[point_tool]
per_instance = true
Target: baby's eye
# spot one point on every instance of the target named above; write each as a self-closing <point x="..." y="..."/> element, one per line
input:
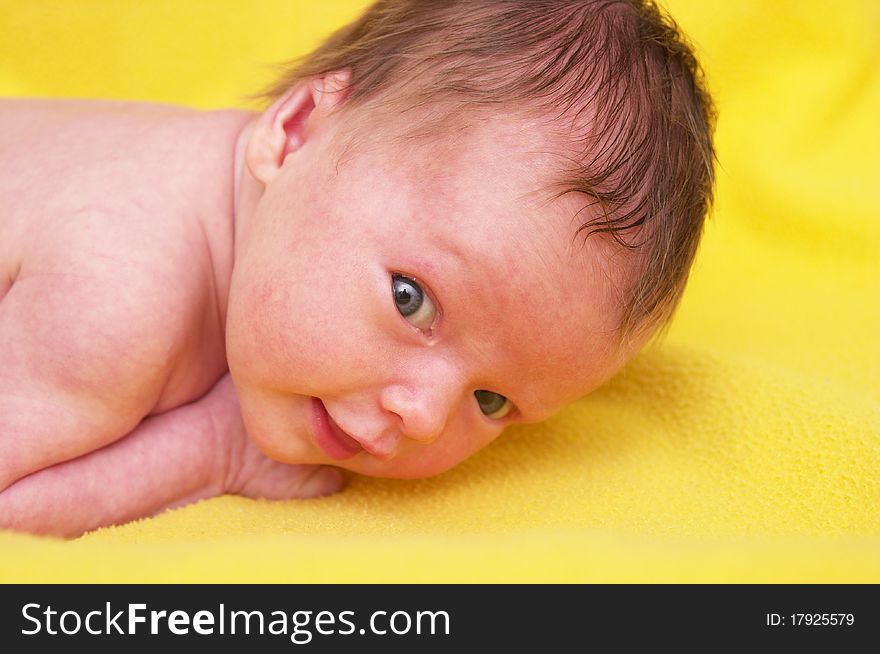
<point x="492" y="404"/>
<point x="412" y="302"/>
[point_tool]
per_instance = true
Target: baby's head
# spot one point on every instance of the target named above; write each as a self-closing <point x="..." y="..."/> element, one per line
<point x="460" y="215"/>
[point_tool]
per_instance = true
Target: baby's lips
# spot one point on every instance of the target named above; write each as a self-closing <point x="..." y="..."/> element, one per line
<point x="346" y="440"/>
<point x="383" y="447"/>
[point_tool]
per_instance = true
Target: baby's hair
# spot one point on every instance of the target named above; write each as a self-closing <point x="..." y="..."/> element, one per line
<point x="617" y="73"/>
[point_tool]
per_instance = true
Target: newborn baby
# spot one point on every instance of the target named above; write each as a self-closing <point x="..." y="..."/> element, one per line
<point x="452" y="217"/>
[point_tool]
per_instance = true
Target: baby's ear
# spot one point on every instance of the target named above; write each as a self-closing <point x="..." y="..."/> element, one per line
<point x="293" y="119"/>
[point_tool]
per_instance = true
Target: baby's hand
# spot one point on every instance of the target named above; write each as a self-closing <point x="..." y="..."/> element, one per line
<point x="247" y="471"/>
<point x="190" y="453"/>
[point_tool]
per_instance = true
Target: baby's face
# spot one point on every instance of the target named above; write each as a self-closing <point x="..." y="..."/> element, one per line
<point x="423" y="294"/>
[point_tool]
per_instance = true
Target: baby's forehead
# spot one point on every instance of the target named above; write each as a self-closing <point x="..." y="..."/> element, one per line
<point x="485" y="166"/>
<point x="439" y="140"/>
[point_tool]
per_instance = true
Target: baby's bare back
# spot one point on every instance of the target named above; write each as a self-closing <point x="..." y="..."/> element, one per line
<point x="105" y="261"/>
<point x="108" y="305"/>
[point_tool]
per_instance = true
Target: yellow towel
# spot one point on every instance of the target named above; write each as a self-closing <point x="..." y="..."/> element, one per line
<point x="746" y="447"/>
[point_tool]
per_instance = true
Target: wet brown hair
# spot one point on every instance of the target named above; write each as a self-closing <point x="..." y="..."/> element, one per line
<point x="618" y="73"/>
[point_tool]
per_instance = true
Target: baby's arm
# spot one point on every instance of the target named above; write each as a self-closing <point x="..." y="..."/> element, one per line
<point x="193" y="452"/>
<point x="86" y="347"/>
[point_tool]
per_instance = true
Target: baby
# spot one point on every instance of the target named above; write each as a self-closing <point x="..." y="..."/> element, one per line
<point x="378" y="273"/>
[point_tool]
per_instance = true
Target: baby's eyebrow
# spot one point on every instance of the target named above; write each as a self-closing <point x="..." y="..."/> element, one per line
<point x="528" y="420"/>
<point x="452" y="248"/>
<point x="535" y="415"/>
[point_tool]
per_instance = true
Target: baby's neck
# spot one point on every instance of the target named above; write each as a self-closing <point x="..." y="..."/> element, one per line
<point x="224" y="214"/>
<point x="247" y="189"/>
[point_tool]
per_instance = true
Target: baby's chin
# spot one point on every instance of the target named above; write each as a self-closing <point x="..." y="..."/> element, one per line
<point x="406" y="466"/>
<point x="390" y="470"/>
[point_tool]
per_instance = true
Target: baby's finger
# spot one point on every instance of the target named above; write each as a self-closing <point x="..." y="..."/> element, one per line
<point x="286" y="481"/>
<point x="324" y="481"/>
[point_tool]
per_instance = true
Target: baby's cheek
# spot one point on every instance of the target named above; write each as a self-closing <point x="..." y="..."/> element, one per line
<point x="256" y="337"/>
<point x="286" y="338"/>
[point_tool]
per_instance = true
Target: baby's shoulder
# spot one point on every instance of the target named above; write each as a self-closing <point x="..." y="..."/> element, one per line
<point x="109" y="189"/>
<point x="135" y="160"/>
<point x="102" y="218"/>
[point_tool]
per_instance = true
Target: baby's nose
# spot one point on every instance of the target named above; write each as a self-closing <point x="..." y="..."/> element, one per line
<point x="423" y="414"/>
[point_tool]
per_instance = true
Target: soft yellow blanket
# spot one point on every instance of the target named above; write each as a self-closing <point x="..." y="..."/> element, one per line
<point x="746" y="447"/>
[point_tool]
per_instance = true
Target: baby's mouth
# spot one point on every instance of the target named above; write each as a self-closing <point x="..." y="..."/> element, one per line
<point x="328" y="436"/>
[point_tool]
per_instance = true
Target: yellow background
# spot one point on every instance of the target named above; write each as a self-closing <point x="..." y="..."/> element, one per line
<point x="746" y="447"/>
